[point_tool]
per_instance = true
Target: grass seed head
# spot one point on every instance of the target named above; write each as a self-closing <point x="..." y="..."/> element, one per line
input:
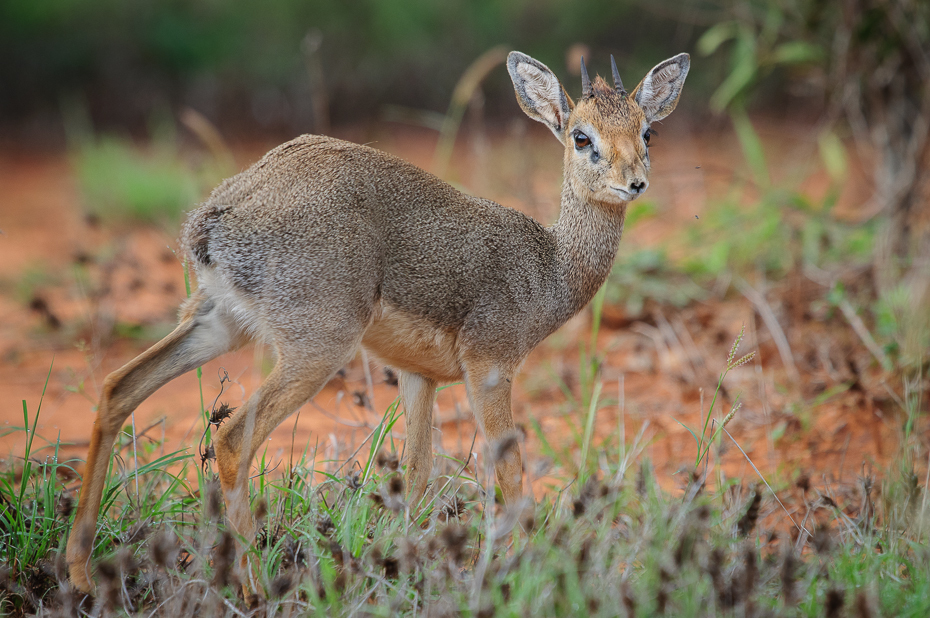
<point x="804" y="483"/>
<point x="110" y="583"/>
<point x="453" y="507"/>
<point x="224" y="556"/>
<point x="391" y="566"/>
<point x="454" y="538"/>
<point x="750" y="570"/>
<point x="641" y="476"/>
<point x="108" y="571"/>
<point x="578" y="507"/>
<point x="281" y="585"/>
<point x="715" y="562"/>
<point x="214" y="506"/>
<point x="629" y="601"/>
<point x="684" y="548"/>
<point x="65" y="506"/>
<point x="137" y="533"/>
<point x="387" y="461"/>
<point x="60" y="567"/>
<point x="584" y="553"/>
<point x="736" y="342"/>
<point x="208" y="454"/>
<point x="325" y="526"/>
<point x="163" y="550"/>
<point x="729" y="417"/>
<point x="863" y="605"/>
<point x="822" y="540"/>
<point x="261" y="509"/>
<point x="748" y="521"/>
<point x="409" y="554"/>
<point x="393" y="493"/>
<point x="661" y="598"/>
<point x="294" y="555"/>
<point x="360" y="399"/>
<point x="354" y="480"/>
<point x="396" y="485"/>
<point x="834" y="602"/>
<point x="788" y="575"/>
<point x="221" y="414"/>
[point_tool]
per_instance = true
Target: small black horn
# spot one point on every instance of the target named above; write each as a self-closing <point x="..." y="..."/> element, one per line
<point x="585" y="81"/>
<point x="618" y="83"/>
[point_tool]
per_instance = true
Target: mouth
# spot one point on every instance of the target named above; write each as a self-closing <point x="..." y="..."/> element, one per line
<point x="623" y="194"/>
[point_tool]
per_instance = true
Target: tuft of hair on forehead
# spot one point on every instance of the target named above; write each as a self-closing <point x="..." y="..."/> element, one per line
<point x="608" y="101"/>
<point x="600" y="88"/>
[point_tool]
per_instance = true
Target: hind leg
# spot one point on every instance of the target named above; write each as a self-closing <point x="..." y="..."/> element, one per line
<point x="198" y="338"/>
<point x="296" y="379"/>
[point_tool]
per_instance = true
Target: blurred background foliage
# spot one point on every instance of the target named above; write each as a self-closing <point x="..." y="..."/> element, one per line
<point x="251" y="66"/>
<point x="857" y="72"/>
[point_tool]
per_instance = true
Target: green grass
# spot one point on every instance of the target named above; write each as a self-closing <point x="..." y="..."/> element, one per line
<point x="121" y="183"/>
<point x="337" y="538"/>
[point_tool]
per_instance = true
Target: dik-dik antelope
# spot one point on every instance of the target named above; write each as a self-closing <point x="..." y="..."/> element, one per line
<point x="324" y="246"/>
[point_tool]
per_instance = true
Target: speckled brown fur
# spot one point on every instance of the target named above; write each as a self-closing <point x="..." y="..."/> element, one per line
<point x="323" y="246"/>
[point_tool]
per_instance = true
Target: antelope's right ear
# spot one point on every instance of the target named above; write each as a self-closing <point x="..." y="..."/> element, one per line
<point x="539" y="92"/>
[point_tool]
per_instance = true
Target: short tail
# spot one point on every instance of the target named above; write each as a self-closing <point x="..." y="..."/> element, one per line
<point x="198" y="230"/>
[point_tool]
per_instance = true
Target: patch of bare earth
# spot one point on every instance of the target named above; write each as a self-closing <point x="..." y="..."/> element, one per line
<point x="83" y="299"/>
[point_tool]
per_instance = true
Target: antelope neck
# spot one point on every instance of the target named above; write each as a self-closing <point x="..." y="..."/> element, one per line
<point x="587" y="235"/>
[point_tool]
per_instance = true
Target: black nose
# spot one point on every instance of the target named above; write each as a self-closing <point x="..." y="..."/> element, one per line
<point x="637" y="187"/>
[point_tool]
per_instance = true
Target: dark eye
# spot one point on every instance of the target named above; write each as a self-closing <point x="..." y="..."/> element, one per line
<point x="647" y="135"/>
<point x="581" y="140"/>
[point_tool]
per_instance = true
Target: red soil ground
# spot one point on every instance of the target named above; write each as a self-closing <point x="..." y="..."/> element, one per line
<point x="66" y="282"/>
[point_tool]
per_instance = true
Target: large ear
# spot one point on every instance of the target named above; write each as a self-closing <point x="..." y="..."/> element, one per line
<point x="539" y="92"/>
<point x="658" y="93"/>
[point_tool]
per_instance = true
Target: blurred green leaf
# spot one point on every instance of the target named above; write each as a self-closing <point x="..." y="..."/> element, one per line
<point x="772" y="24"/>
<point x="811" y="235"/>
<point x="796" y="52"/>
<point x="745" y="67"/>
<point x="639" y="212"/>
<point x="833" y="155"/>
<point x="836" y="294"/>
<point x="752" y="146"/>
<point x="716" y="36"/>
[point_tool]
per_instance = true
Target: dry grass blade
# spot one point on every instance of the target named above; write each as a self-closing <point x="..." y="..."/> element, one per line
<point x="775" y="495"/>
<point x="771" y="322"/>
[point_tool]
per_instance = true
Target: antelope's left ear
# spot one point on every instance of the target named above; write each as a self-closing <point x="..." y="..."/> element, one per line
<point x="659" y="91"/>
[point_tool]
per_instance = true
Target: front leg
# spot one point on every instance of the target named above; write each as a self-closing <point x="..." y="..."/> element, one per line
<point x="489" y="391"/>
<point x="418" y="394"/>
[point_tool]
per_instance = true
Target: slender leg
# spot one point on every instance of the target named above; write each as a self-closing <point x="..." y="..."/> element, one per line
<point x="288" y="387"/>
<point x="418" y="394"/>
<point x="489" y="390"/>
<point x="196" y="340"/>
